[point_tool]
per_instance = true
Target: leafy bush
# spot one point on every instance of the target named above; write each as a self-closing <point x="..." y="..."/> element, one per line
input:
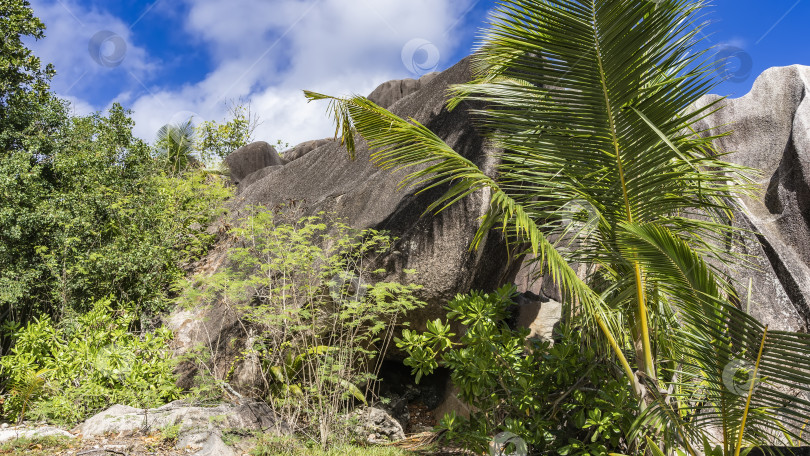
<point x="560" y="398"/>
<point x="96" y="215"/>
<point x="321" y="323"/>
<point x="87" y="363"/>
<point x="214" y="141"/>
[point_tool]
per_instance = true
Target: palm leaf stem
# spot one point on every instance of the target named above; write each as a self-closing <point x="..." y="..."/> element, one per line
<point x="647" y="364"/>
<point x="750" y="393"/>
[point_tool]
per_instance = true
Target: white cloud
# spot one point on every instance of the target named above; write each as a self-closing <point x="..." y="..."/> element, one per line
<point x="269" y="51"/>
<point x="735" y="42"/>
<point x="79" y="107"/>
<point x="70" y="30"/>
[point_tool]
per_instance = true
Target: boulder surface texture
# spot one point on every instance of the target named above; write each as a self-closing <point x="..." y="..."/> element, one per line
<point x="322" y="177"/>
<point x="770" y="131"/>
<point x="196" y="427"/>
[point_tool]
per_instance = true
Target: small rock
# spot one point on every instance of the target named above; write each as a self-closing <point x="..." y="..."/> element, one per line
<point x="46" y="431"/>
<point x="380" y="425"/>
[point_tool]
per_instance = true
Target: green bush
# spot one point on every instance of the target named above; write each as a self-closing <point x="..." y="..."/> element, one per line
<point x="85" y="364"/>
<point x="97" y="215"/>
<point x="322" y="318"/>
<point x="214" y="141"/>
<point x="559" y="398"/>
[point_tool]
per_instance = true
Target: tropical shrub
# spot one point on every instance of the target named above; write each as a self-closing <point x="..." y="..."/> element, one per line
<point x="86" y="210"/>
<point x="216" y="140"/>
<point x="592" y="104"/>
<point x="99" y="217"/>
<point x="68" y="371"/>
<point x="320" y="322"/>
<point x="561" y="398"/>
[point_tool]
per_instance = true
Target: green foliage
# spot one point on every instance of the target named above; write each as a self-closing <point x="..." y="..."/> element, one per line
<point x="36" y="446"/>
<point x="560" y="399"/>
<point x="86" y="212"/>
<point x="85" y="209"/>
<point x="174" y="145"/>
<point x="87" y="363"/>
<point x="268" y="445"/>
<point x="25" y="390"/>
<point x="170" y="432"/>
<point x="215" y="140"/>
<point x="603" y="164"/>
<point x="307" y="291"/>
<point x="97" y="218"/>
<point x="25" y="100"/>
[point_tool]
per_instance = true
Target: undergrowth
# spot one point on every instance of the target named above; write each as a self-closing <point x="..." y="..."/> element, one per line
<point x="64" y="372"/>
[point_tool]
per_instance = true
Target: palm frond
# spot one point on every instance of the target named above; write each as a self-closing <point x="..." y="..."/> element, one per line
<point x="176" y="143"/>
<point x="718" y="343"/>
<point x="399" y="144"/>
<point x="591" y="104"/>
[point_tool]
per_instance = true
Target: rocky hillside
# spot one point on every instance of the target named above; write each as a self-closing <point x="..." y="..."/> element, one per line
<point x="771" y="132"/>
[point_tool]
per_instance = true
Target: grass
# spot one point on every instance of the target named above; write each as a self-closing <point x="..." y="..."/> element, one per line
<point x="37" y="446"/>
<point x="262" y="445"/>
<point x="170" y="432"/>
<point x="290" y="446"/>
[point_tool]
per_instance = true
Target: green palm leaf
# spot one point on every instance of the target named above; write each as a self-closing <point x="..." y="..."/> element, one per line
<point x="590" y="104"/>
<point x="716" y="343"/>
<point x="176" y="143"/>
<point x="400" y="144"/>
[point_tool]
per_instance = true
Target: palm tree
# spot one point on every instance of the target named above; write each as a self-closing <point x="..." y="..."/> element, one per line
<point x="175" y="143"/>
<point x="589" y="102"/>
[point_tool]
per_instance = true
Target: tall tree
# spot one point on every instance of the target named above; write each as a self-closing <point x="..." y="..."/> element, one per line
<point x="85" y="210"/>
<point x="25" y="99"/>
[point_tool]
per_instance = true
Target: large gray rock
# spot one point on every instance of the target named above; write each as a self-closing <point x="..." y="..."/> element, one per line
<point x="13" y="433"/>
<point x="251" y="158"/>
<point x="305" y="148"/>
<point x="377" y="425"/>
<point x="436" y="246"/>
<point x="197" y="427"/>
<point x="771" y="132"/>
<point x="538" y="314"/>
<point x="388" y="93"/>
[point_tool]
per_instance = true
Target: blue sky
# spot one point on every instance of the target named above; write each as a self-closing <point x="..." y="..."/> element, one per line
<point x="170" y="59"/>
